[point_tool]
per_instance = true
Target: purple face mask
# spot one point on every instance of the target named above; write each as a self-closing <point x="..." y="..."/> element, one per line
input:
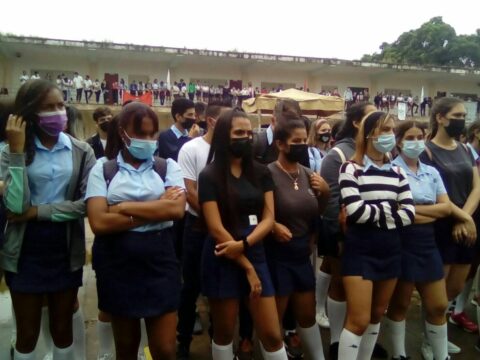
<point x="52" y="122"/>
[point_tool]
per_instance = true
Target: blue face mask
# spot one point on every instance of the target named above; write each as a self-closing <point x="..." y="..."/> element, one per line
<point x="384" y="143"/>
<point x="141" y="149"/>
<point x="413" y="148"/>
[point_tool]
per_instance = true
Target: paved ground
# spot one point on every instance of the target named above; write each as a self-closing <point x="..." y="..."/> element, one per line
<point x="200" y="346"/>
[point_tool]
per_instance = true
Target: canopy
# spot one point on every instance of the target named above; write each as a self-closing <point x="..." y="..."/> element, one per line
<point x="310" y="103"/>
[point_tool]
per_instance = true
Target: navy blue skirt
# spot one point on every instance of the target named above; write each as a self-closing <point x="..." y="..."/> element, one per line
<point x="372" y="253"/>
<point x="44" y="263"/>
<point x="222" y="278"/>
<point x="138" y="274"/>
<point x="290" y="265"/>
<point x="421" y="260"/>
<point x="451" y="252"/>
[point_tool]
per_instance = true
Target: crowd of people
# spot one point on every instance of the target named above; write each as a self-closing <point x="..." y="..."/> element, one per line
<point x="210" y="207"/>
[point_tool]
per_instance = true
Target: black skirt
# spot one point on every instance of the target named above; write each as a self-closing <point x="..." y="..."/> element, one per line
<point x="451" y="252"/>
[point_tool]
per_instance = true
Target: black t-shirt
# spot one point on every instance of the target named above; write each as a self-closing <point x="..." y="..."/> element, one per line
<point x="247" y="198"/>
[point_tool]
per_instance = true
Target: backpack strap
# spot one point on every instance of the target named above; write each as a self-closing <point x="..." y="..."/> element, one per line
<point x="160" y="166"/>
<point x="110" y="169"/>
<point x="340" y="153"/>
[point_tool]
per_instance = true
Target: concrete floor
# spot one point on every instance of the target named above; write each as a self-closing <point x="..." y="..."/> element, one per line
<point x="200" y="349"/>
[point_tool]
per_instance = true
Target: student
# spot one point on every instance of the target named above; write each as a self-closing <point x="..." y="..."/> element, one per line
<point x="421" y="262"/>
<point x="378" y="202"/>
<point x="43" y="208"/>
<point x="236" y="198"/>
<point x="319" y="138"/>
<point x="102" y="117"/>
<point x="131" y="202"/>
<point x="299" y="197"/>
<point x="456" y="234"/>
<point x="193" y="159"/>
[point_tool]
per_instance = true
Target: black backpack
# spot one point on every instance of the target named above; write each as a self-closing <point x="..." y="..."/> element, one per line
<point x="110" y="169"/>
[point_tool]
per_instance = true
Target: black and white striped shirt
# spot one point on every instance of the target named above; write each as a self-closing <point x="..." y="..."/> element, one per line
<point x="378" y="196"/>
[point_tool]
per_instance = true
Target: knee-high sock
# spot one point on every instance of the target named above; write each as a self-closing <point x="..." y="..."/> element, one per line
<point x="63" y="354"/>
<point x="349" y="345"/>
<point x="462" y="298"/>
<point x="337" y="311"/>
<point x="437" y="337"/>
<point x="13" y="337"/>
<point x="323" y="283"/>
<point x="143" y="337"/>
<point x="312" y="341"/>
<point x="105" y="338"/>
<point x="396" y="333"/>
<point x="78" y="329"/>
<point x="45" y="331"/>
<point x="21" y="356"/>
<point x="280" y="354"/>
<point x="369" y="340"/>
<point x="222" y="352"/>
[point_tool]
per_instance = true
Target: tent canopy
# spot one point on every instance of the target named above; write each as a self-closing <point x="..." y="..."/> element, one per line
<point x="310" y="103"/>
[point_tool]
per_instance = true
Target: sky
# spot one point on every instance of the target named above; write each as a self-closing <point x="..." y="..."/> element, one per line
<point x="342" y="29"/>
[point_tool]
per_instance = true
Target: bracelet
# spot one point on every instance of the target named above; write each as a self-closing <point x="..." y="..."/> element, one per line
<point x="246" y="245"/>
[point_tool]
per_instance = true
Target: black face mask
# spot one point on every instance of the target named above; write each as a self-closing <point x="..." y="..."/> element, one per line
<point x="455" y="127"/>
<point x="241" y="147"/>
<point x="297" y="152"/>
<point x="104" y="126"/>
<point x="324" y="138"/>
<point x="188" y="123"/>
<point x="203" y="125"/>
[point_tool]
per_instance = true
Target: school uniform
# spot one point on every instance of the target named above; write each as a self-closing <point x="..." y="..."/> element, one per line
<point x="46" y="255"/>
<point x="421" y="260"/>
<point x="137" y="271"/>
<point x="98" y="145"/>
<point x="223" y="278"/>
<point x="170" y="142"/>
<point x="378" y="202"/>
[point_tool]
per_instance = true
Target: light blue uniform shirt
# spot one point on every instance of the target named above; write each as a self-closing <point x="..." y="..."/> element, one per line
<point x="315" y="159"/>
<point x="50" y="172"/>
<point x="177" y="132"/>
<point x="130" y="184"/>
<point x="368" y="163"/>
<point x="269" y="135"/>
<point x="425" y="185"/>
<point x="475" y="154"/>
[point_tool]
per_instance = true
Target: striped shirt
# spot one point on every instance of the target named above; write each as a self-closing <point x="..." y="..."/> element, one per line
<point x="378" y="196"/>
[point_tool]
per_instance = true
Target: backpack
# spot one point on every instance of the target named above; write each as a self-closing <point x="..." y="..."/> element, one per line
<point x="110" y="169"/>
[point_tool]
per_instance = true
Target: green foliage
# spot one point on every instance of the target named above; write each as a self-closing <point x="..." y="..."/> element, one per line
<point x="434" y="43"/>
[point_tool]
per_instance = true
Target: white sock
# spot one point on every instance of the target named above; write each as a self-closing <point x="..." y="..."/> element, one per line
<point x="349" y="345"/>
<point x="369" y="339"/>
<point x="78" y="329"/>
<point x="463" y="297"/>
<point x="63" y="354"/>
<point x="337" y="311"/>
<point x="222" y="352"/>
<point x="13" y="336"/>
<point x="45" y="331"/>
<point x="143" y="337"/>
<point x="21" y="356"/>
<point x="437" y="337"/>
<point x="396" y="333"/>
<point x="105" y="338"/>
<point x="280" y="354"/>
<point x="312" y="341"/>
<point x="323" y="283"/>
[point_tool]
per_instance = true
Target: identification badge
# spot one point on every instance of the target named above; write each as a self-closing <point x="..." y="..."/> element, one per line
<point x="252" y="219"/>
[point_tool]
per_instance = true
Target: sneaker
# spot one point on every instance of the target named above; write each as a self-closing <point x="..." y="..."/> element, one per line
<point x="379" y="352"/>
<point x="453" y="349"/>
<point x="464" y="322"/>
<point x="106" y="356"/>
<point x="141" y="356"/>
<point x="333" y="351"/>
<point x="451" y="308"/>
<point x="293" y="346"/>
<point x="183" y="351"/>
<point x="426" y="350"/>
<point x="322" y="320"/>
<point x="477" y="345"/>
<point x="197" y="328"/>
<point x="244" y="350"/>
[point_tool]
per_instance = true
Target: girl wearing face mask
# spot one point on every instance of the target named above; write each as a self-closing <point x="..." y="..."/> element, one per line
<point x="421" y="262"/>
<point x="132" y="201"/>
<point x="45" y="173"/>
<point x="378" y="202"/>
<point x="236" y="197"/>
<point x="456" y="234"/>
<point x="318" y="141"/>
<point x="300" y="195"/>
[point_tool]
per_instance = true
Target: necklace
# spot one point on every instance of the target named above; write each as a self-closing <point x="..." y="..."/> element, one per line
<point x="294" y="179"/>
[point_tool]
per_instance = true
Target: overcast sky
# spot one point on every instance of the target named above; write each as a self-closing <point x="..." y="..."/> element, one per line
<point x="339" y="29"/>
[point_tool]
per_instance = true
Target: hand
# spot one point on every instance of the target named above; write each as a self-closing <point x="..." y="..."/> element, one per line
<point x="465" y="231"/>
<point x="15" y="132"/>
<point x="317" y="183"/>
<point x="255" y="283"/>
<point x="281" y="233"/>
<point x="194" y="131"/>
<point x="30" y="214"/>
<point x="230" y="249"/>
<point x="172" y="193"/>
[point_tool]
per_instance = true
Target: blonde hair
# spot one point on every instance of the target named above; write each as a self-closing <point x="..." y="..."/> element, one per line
<point x="312" y="135"/>
<point x="370" y="122"/>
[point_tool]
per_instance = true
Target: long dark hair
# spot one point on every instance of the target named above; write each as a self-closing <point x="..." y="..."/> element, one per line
<point x="219" y="160"/>
<point x="441" y="107"/>
<point x="27" y="104"/>
<point x="6" y="108"/>
<point x="355" y="114"/>
<point x="135" y="112"/>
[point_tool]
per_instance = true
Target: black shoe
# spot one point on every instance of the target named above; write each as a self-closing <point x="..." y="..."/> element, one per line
<point x="333" y="351"/>
<point x="183" y="352"/>
<point x="293" y="346"/>
<point x="379" y="352"/>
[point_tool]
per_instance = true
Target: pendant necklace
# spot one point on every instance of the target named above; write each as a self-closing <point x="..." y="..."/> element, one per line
<point x="294" y="179"/>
